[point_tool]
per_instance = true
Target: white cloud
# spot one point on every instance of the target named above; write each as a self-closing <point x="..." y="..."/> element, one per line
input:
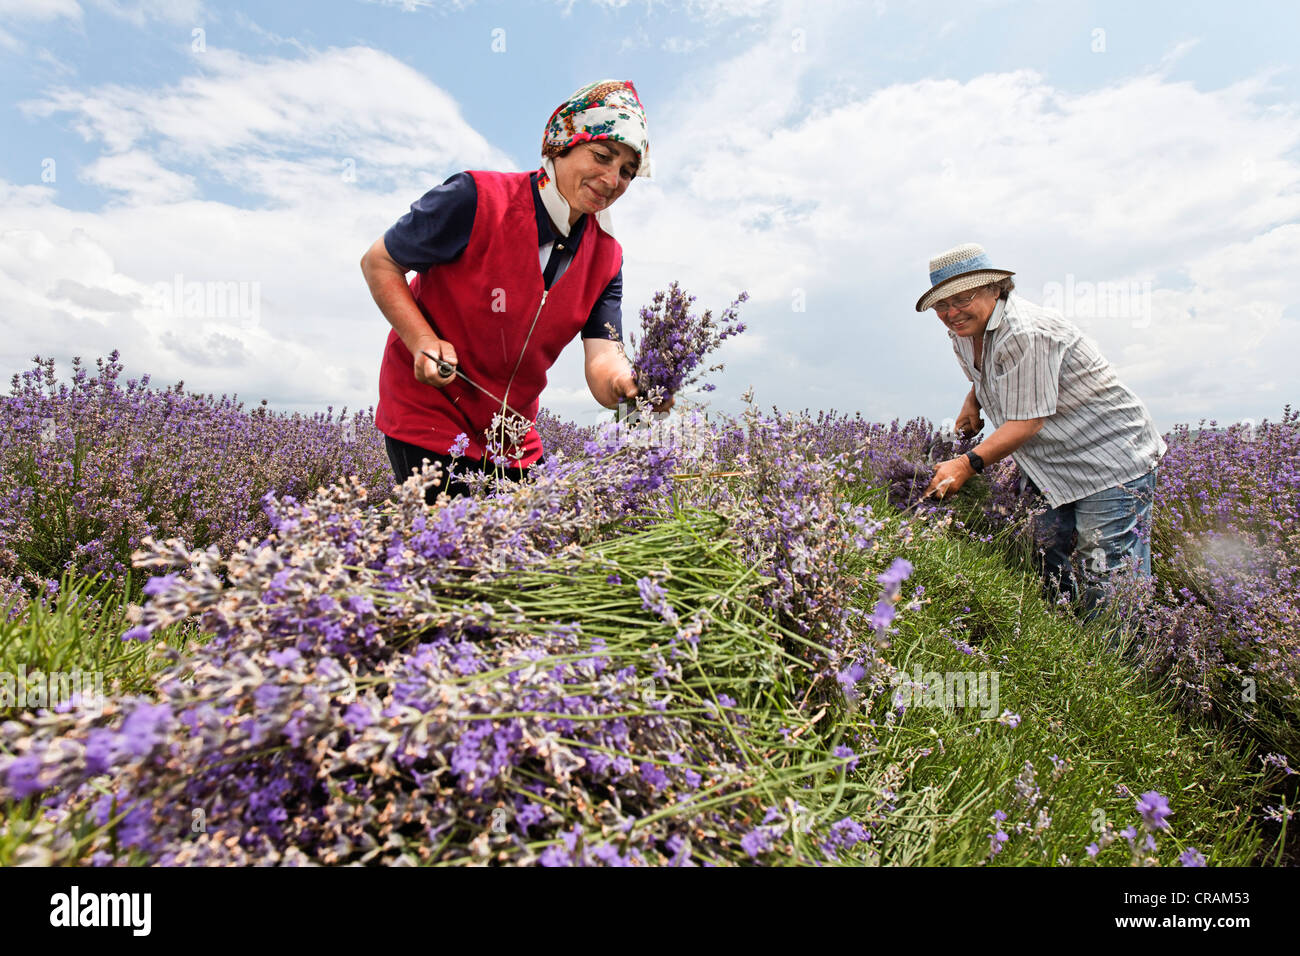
<point x="726" y="9"/>
<point x="269" y="36"/>
<point x="284" y="128"/>
<point x="278" y="129"/>
<point x="412" y="6"/>
<point x="769" y="177"/>
<point x="843" y="202"/>
<point x="40" y="9"/>
<point x="709" y="11"/>
<point x="73" y="294"/>
<point x="138" y="12"/>
<point x="140" y="177"/>
<point x="678" y="44"/>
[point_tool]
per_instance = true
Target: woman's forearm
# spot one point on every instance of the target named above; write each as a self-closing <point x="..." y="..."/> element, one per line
<point x="603" y="371"/>
<point x="388" y="287"/>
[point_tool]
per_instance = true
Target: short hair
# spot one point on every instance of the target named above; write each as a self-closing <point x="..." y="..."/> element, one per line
<point x="1004" y="286"/>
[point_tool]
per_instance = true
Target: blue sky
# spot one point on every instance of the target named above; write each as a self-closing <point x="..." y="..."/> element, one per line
<point x="1136" y="164"/>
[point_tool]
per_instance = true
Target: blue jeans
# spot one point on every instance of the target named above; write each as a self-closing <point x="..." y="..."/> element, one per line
<point x="1109" y="529"/>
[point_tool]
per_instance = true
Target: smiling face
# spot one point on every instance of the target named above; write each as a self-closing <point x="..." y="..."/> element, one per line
<point x="967" y="313"/>
<point x="591" y="176"/>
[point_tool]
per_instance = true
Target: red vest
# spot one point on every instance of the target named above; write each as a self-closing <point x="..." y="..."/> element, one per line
<point x="483" y="304"/>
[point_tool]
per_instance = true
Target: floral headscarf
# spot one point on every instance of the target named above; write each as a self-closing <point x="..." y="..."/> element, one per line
<point x="609" y="109"/>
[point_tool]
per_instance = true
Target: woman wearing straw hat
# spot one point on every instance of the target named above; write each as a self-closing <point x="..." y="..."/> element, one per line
<point x="1085" y="441"/>
<point x="510" y="268"/>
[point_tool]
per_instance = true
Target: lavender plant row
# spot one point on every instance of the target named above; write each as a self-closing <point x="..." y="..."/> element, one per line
<point x="88" y="468"/>
<point x="651" y="652"/>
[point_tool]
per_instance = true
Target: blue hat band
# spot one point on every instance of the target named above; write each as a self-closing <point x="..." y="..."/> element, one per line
<point x="973" y="264"/>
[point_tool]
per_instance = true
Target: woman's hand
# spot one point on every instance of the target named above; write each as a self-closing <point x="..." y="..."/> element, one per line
<point x="609" y="374"/>
<point x="624" y="385"/>
<point x="426" y="369"/>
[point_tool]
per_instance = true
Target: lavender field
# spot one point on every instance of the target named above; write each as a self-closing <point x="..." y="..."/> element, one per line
<point x="700" y="641"/>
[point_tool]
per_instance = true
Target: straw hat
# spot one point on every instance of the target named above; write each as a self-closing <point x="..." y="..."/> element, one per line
<point x="959" y="269"/>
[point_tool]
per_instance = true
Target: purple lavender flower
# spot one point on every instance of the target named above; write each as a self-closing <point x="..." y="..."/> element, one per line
<point x="897" y="572"/>
<point x="555" y="856"/>
<point x="654" y="776"/>
<point x="1191" y="857"/>
<point x="159" y="585"/>
<point x="23" y="776"/>
<point x="654" y="598"/>
<point x="883" y="616"/>
<point x="1153" y="808"/>
<point x="158" y="463"/>
<point x="675" y="341"/>
<point x="846" y="753"/>
<point x="529" y="815"/>
<point x="358" y="716"/>
<point x="285" y="657"/>
<point x="101" y="748"/>
<point x="996" y="839"/>
<point x="143" y="728"/>
<point x="844" y="834"/>
<point x="850" y="676"/>
<point x="757" y="841"/>
<point x="609" y="855"/>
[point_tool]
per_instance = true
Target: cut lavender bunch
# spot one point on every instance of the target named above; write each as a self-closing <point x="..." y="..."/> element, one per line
<point x="675" y="341"/>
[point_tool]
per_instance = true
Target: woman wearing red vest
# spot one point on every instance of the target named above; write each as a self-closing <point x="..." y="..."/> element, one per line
<point x="510" y="267"/>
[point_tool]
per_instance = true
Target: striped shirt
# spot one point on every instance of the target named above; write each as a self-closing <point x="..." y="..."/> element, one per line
<point x="1036" y="364"/>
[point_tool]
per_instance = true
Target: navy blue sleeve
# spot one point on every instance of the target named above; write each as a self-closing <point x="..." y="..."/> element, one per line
<point x="437" y="228"/>
<point x="608" y="308"/>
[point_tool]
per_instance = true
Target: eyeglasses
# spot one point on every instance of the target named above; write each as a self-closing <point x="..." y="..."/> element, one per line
<point x="605" y="157"/>
<point x="956" y="302"/>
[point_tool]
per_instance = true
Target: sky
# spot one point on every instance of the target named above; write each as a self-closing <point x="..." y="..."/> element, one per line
<point x="1135" y="164"/>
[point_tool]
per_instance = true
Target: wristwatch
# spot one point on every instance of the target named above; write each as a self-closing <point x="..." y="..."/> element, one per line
<point x="976" y="462"/>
